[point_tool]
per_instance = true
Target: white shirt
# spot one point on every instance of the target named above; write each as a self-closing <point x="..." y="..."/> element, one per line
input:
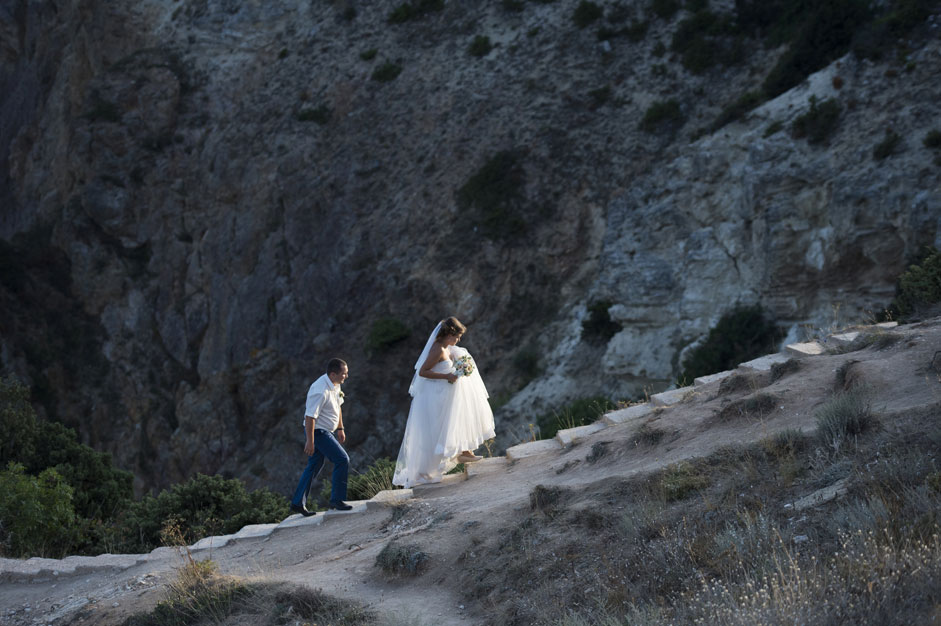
<point x="323" y="404"/>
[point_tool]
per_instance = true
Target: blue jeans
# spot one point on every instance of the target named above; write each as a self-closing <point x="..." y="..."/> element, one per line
<point x="325" y="445"/>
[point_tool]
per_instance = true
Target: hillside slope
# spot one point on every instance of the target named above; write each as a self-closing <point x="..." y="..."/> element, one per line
<point x="221" y="196"/>
<point x="531" y="541"/>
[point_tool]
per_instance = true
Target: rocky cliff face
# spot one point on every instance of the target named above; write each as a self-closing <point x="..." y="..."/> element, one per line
<point x="205" y="200"/>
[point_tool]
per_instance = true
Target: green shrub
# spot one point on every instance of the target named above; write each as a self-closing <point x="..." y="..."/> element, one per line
<point x="363" y="486"/>
<point x="819" y="122"/>
<point x="599" y="96"/>
<point x="480" y="47"/>
<point x="202" y="506"/>
<point x="526" y="363"/>
<point x="36" y="514"/>
<point x="740" y="335"/>
<point x="579" y="413"/>
<point x="414" y="10"/>
<point x="880" y="35"/>
<point x="387" y="72"/>
<point x="598" y="327"/>
<point x="773" y="128"/>
<point x="933" y="139"/>
<point x="845" y="415"/>
<point x="662" y="115"/>
<point x="495" y="196"/>
<point x="369" y="55"/>
<point x="401" y="560"/>
<point x="513" y="6"/>
<point x="705" y="39"/>
<point x="100" y="490"/>
<point x="737" y="110"/>
<point x="103" y="111"/>
<point x="664" y="9"/>
<point x="385" y="333"/>
<point x="886" y="147"/>
<point x="820" y="32"/>
<point x="919" y="287"/>
<point x="587" y="12"/>
<point x="320" y="114"/>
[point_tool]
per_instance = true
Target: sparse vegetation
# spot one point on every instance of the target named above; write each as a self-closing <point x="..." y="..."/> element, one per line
<point x="932" y="139"/>
<point x="663" y="115"/>
<point x="586" y="13"/>
<point x="648" y="436"/>
<point x="320" y="114"/>
<point x="737" y="110"/>
<point x="887" y="146"/>
<point x="843" y="417"/>
<point x="919" y="287"/>
<point x="408" y="11"/>
<point x="364" y="485"/>
<point x="755" y="406"/>
<point x="579" y="413"/>
<point x="742" y="334"/>
<point x="495" y="196"/>
<point x="706" y="39"/>
<point x="387" y="72"/>
<point x="399" y="560"/>
<point x="819" y="122"/>
<point x="385" y="333"/>
<point x="780" y="370"/>
<point x="369" y="55"/>
<point x="480" y="47"/>
<point x="598" y="327"/>
<point x="664" y="9"/>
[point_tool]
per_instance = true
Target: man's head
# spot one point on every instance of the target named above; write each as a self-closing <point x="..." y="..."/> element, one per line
<point x="337" y="370"/>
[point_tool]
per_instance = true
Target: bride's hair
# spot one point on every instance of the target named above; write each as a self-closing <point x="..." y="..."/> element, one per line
<point x="451" y="327"/>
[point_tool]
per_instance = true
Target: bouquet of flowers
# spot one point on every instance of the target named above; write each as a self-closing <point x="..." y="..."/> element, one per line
<point x="464" y="366"/>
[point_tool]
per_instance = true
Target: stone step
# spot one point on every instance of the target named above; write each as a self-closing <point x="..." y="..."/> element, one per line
<point x="629" y="414"/>
<point x="711" y="378"/>
<point x="387" y="498"/>
<point x="570" y="435"/>
<point x="218" y="541"/>
<point x="485" y="466"/>
<point x="297" y="520"/>
<point x="532" y="448"/>
<point x="765" y="363"/>
<point x="667" y="398"/>
<point x="359" y="506"/>
<point x="809" y="348"/>
<point x="253" y="531"/>
<point x="887" y="325"/>
<point x="843" y="339"/>
<point x="449" y="479"/>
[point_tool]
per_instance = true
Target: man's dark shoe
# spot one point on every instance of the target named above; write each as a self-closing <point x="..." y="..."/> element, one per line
<point x="341" y="506"/>
<point x="297" y="508"/>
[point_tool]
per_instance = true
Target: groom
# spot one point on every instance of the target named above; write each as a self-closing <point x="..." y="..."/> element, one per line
<point x="323" y="424"/>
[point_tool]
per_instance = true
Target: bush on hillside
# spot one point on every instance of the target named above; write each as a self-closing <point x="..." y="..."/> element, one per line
<point x="480" y="47"/>
<point x="100" y="489"/>
<point x="36" y="514"/>
<point x="598" y="327"/>
<point x="742" y="334"/>
<point x="579" y="413"/>
<point x="495" y="196"/>
<point x="364" y="485"/>
<point x="662" y="115"/>
<point x="202" y="506"/>
<point x="919" y="287"/>
<point x="414" y="10"/>
<point x="385" y="333"/>
<point x="819" y="122"/>
<point x="586" y="12"/>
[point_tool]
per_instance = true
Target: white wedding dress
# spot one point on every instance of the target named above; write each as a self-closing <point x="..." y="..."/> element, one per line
<point x="444" y="420"/>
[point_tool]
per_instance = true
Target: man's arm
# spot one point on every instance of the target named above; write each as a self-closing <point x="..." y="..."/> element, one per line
<point x="340" y="433"/>
<point x="309" y="429"/>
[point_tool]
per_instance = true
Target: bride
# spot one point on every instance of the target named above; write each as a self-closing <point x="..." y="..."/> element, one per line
<point x="449" y="416"/>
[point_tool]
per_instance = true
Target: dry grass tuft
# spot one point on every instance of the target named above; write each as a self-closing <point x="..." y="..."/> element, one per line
<point x="402" y="560"/>
<point x="754" y="406"/>
<point x="780" y="370"/>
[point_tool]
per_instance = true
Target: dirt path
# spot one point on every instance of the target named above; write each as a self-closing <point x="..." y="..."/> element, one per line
<point x="339" y="556"/>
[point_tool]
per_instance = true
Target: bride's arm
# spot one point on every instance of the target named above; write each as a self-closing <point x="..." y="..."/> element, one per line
<point x="434" y="357"/>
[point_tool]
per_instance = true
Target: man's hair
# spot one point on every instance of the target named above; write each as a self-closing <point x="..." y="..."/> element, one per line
<point x="335" y="366"/>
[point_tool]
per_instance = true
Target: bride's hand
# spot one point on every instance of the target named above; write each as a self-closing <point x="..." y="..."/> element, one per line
<point x="451" y="378"/>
